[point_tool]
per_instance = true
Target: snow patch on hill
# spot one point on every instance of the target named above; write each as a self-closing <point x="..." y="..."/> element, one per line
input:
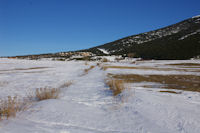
<point x="103" y="50"/>
<point x="198" y="16"/>
<point x="198" y="31"/>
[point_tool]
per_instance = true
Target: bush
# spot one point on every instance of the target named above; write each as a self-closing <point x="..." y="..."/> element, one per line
<point x="66" y="84"/>
<point x="105" y="60"/>
<point x="47" y="93"/>
<point x="9" y="107"/>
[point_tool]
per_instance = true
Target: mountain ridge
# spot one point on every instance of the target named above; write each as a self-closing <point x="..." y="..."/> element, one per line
<point x="177" y="41"/>
<point x="189" y="26"/>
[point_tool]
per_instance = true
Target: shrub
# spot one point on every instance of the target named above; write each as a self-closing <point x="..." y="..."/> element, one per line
<point x="66" y="84"/>
<point x="9" y="107"/>
<point x="105" y="60"/>
<point x="47" y="93"/>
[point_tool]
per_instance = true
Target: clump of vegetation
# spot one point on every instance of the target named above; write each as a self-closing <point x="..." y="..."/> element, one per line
<point x="148" y="68"/>
<point x="105" y="60"/>
<point x="47" y="93"/>
<point x="131" y="55"/>
<point x="180" y="82"/>
<point x="10" y="106"/>
<point x="117" y="86"/>
<point x="98" y="64"/>
<point x="186" y="64"/>
<point x="174" y="92"/>
<point x="88" y="69"/>
<point x="119" y="59"/>
<point x="66" y="84"/>
<point x="104" y="68"/>
<point x="86" y="58"/>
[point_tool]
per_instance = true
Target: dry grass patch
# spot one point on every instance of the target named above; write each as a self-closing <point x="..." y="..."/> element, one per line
<point x="88" y="69"/>
<point x="185" y="64"/>
<point x="117" y="86"/>
<point x="66" y="84"/>
<point x="146" y="68"/>
<point x="20" y="69"/>
<point x="181" y="82"/>
<point x="47" y="93"/>
<point x="10" y="106"/>
<point x="118" y="67"/>
<point x="105" y="60"/>
<point x="31" y="68"/>
<point x="171" y="92"/>
<point x="35" y="72"/>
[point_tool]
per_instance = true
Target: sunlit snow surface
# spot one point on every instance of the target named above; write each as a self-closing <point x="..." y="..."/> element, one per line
<point x="88" y="106"/>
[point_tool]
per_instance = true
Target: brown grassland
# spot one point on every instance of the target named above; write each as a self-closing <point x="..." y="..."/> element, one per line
<point x="150" y="68"/>
<point x="47" y="93"/>
<point x="185" y="64"/>
<point x="180" y="82"/>
<point x="174" y="92"/>
<point x="117" y="86"/>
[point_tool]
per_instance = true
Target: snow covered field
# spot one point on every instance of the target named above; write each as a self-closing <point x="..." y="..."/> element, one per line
<point x="88" y="106"/>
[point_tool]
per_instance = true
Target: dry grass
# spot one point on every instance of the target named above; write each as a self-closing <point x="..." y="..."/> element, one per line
<point x="185" y="64"/>
<point x="88" y="69"/>
<point x="35" y="72"/>
<point x="118" y="67"/>
<point x="117" y="86"/>
<point x="105" y="60"/>
<point x="171" y="92"/>
<point x="47" y="93"/>
<point x="10" y="106"/>
<point x="181" y="82"/>
<point x="31" y="68"/>
<point x="66" y="84"/>
<point x="143" y="68"/>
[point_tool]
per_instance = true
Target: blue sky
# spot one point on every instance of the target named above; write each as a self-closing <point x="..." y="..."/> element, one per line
<point x="44" y="26"/>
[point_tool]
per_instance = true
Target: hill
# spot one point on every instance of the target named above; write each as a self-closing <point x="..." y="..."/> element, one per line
<point x="177" y="41"/>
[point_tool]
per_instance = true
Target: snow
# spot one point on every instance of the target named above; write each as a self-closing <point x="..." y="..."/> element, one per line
<point x="196" y="16"/>
<point x="87" y="106"/>
<point x="103" y="50"/>
<point x="152" y="35"/>
<point x="198" y="31"/>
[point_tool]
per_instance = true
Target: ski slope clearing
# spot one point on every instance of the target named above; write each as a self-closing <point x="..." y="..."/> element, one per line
<point x="88" y="105"/>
